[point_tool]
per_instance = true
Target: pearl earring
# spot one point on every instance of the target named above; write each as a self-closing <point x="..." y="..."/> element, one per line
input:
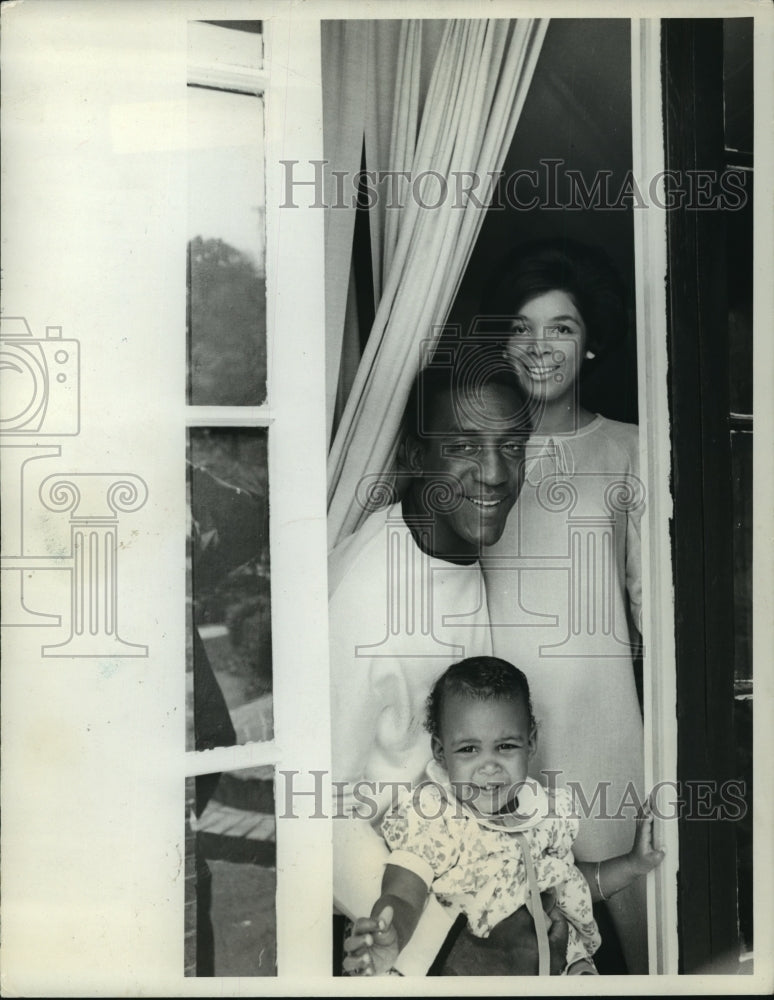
<point x="590" y="355"/>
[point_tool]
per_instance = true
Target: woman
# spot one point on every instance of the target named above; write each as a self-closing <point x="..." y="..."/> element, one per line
<point x="563" y="583"/>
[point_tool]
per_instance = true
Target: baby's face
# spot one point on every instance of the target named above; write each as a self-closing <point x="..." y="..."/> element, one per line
<point x="485" y="747"/>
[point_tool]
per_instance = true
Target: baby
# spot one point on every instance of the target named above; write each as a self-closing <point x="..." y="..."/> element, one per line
<point x="484" y="837"/>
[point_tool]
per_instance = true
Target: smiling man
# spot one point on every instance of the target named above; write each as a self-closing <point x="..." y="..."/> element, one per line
<point x="464" y="445"/>
<point x="407" y="599"/>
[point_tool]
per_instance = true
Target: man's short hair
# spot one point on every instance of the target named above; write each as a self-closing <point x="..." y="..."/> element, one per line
<point x="474" y="369"/>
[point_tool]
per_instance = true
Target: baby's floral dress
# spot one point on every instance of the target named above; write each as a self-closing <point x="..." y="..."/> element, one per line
<point x="475" y="865"/>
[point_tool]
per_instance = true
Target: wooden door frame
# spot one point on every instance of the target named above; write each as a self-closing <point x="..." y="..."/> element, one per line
<point x="702" y="554"/>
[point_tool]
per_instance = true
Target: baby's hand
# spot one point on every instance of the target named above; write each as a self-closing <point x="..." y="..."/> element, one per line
<point x="373" y="945"/>
<point x="643" y="855"/>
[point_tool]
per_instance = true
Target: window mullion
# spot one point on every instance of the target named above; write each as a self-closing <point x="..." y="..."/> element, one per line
<point x="297" y="446"/>
<point x="218" y="78"/>
<point x="659" y="666"/>
<point x="229" y="416"/>
<point x="231" y="758"/>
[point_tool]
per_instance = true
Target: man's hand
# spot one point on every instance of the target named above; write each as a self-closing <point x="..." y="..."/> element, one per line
<point x="511" y="948"/>
<point x="557" y="939"/>
<point x="372" y="947"/>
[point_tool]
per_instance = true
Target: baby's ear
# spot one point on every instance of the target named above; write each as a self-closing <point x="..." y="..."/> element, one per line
<point x="438" y="754"/>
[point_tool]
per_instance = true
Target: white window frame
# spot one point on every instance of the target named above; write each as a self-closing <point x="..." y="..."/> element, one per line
<point x="659" y="668"/>
<point x="290" y="84"/>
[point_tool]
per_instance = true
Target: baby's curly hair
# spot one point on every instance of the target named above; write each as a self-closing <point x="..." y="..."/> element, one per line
<point x="481" y="677"/>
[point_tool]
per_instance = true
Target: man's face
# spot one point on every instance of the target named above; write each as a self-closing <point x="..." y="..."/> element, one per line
<point x="473" y="444"/>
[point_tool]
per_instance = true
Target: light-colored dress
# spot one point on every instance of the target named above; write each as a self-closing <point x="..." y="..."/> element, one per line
<point x="564" y="594"/>
<point x="476" y="866"/>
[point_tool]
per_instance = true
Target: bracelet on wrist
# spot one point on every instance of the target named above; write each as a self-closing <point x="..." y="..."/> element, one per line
<point x="596" y="879"/>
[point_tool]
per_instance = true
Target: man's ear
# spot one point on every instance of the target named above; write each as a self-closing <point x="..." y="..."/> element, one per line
<point x="438" y="754"/>
<point x="533" y="741"/>
<point x="414" y="454"/>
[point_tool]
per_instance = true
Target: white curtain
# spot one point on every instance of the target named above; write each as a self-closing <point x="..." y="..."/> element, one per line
<point x="466" y="122"/>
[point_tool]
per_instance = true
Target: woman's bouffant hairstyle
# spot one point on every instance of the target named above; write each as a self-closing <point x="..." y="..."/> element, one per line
<point x="585" y="273"/>
<point x="481" y="677"/>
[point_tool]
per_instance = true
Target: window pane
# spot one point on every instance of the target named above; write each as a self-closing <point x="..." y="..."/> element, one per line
<point x="739" y="254"/>
<point x="251" y="27"/>
<point x="224" y="48"/>
<point x="738" y="82"/>
<point x="742" y="471"/>
<point x="230" y="911"/>
<point x="741" y="464"/>
<point x="743" y="723"/>
<point x="226" y="249"/>
<point x="230" y="665"/>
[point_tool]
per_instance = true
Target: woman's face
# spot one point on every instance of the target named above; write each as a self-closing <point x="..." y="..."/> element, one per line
<point x="547" y="345"/>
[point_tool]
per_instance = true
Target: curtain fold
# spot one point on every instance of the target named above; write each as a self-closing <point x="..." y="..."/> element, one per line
<point x="403" y="133"/>
<point x="344" y="76"/>
<point x="479" y="81"/>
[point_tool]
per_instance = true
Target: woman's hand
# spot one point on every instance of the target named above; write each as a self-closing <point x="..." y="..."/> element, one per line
<point x="644" y="857"/>
<point x="372" y="948"/>
<point x="605" y="878"/>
